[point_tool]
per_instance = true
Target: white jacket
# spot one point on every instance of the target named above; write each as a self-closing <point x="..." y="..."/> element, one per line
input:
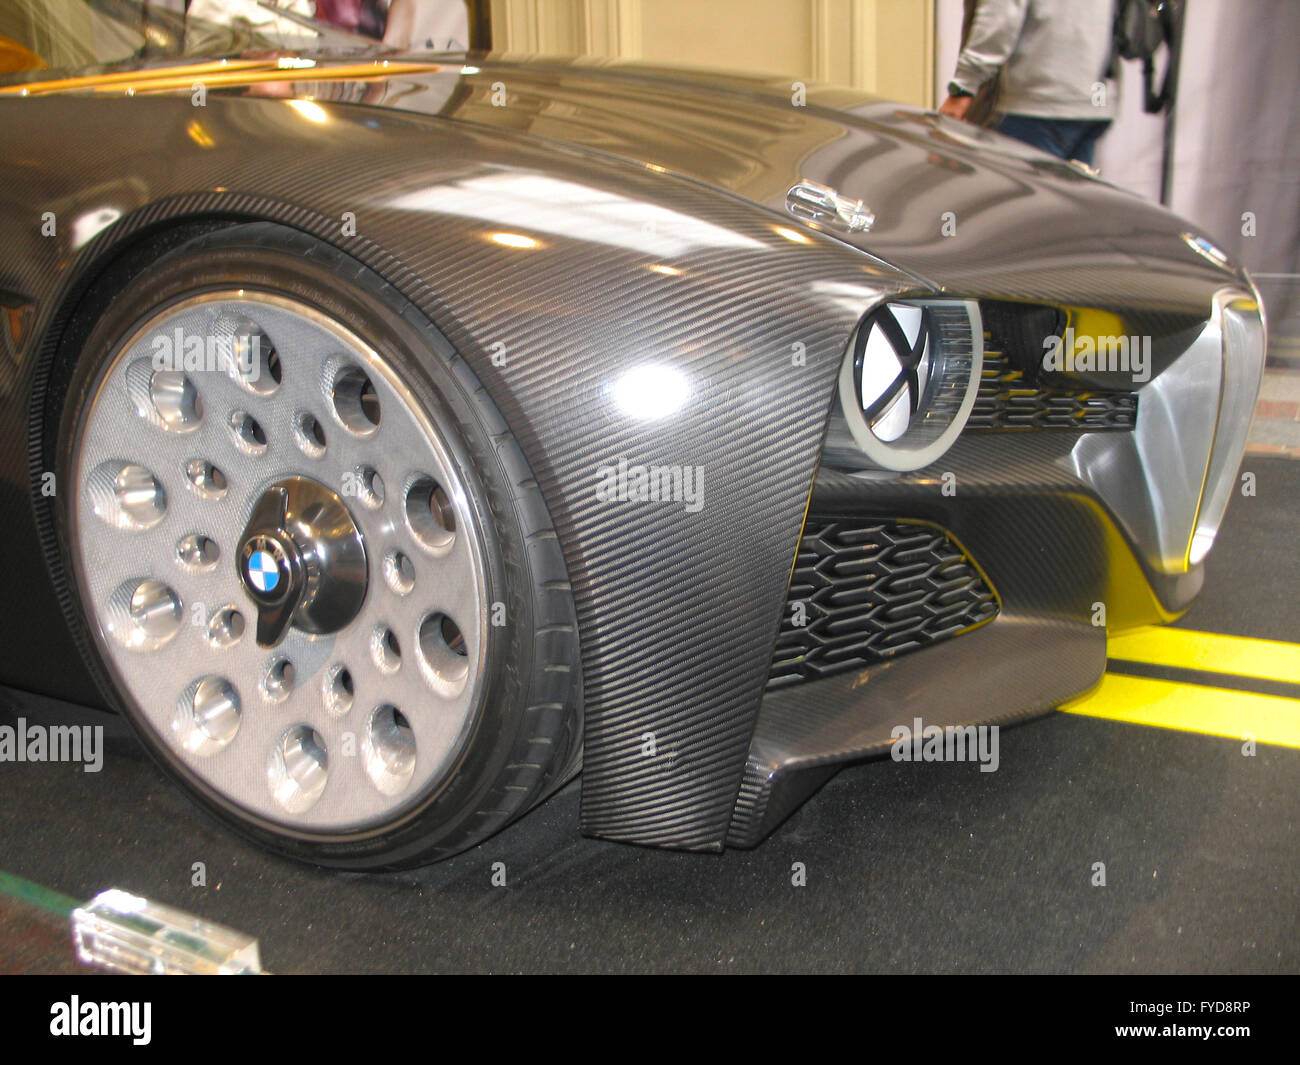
<point x="1052" y="53"/>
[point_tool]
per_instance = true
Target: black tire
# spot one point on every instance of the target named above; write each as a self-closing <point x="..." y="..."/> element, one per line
<point x="526" y="740"/>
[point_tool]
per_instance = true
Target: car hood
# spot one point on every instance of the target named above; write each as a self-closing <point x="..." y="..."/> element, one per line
<point x="960" y="208"/>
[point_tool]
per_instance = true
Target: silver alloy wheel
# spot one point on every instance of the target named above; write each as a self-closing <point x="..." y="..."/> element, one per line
<point x="212" y="406"/>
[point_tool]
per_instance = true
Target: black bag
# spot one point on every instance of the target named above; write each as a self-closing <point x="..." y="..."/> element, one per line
<point x="1140" y="28"/>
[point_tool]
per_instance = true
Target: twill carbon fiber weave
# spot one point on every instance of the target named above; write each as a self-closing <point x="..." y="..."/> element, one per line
<point x="1045" y="544"/>
<point x="677" y="608"/>
<point x="1042" y="536"/>
<point x="806" y="731"/>
<point x="1013" y="209"/>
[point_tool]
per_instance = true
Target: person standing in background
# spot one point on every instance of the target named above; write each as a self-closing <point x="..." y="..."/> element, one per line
<point x="410" y="25"/>
<point x="1052" y="56"/>
<point x="365" y="17"/>
<point x="428" y="25"/>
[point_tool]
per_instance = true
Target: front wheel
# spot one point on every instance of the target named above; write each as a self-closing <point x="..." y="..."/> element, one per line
<point x="308" y="559"/>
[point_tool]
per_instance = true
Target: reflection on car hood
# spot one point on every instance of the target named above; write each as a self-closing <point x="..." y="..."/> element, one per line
<point x="958" y="207"/>
<point x="964" y="208"/>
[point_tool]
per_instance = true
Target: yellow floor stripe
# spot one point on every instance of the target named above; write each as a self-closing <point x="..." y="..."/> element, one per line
<point x="1193" y="708"/>
<point x="1186" y="649"/>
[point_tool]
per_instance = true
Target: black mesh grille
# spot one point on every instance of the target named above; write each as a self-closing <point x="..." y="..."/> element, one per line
<point x="1007" y="401"/>
<point x="869" y="591"/>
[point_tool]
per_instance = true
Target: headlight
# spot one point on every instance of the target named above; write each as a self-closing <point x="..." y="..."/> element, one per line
<point x="1240" y="320"/>
<point x="909" y="380"/>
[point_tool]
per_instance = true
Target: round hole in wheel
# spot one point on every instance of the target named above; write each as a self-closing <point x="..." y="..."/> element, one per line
<point x="277" y="685"/>
<point x="399" y="571"/>
<point x="355" y="400"/>
<point x="369" y="487"/>
<point x="444" y="657"/>
<point x="166" y="399"/>
<point x="389" y="396"/>
<point x="385" y="649"/>
<point x="207" y="716"/>
<point x="248" y="434"/>
<point x="246" y="353"/>
<point x="144" y="614"/>
<point x="430" y="514"/>
<point x="299" y="768"/>
<point x="175" y="400"/>
<point x="339" y="690"/>
<point x="126" y="496"/>
<point x="309" y="434"/>
<point x="198" y="552"/>
<point x="388" y="750"/>
<point x="205" y="479"/>
<point x="225" y="627"/>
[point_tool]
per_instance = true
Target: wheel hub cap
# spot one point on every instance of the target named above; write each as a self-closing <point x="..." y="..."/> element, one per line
<point x="302" y="561"/>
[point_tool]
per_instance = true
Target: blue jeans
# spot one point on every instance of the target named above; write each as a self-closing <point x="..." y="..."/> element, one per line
<point x="1066" y="138"/>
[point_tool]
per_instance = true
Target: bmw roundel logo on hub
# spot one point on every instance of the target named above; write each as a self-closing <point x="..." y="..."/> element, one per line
<point x="265" y="568"/>
<point x="263" y="571"/>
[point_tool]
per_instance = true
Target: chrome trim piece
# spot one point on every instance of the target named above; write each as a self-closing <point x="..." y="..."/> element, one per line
<point x="1169" y="480"/>
<point x="1245" y="342"/>
<point x="814" y="202"/>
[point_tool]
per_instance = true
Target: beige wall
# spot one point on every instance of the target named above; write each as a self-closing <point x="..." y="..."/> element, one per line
<point x="882" y="46"/>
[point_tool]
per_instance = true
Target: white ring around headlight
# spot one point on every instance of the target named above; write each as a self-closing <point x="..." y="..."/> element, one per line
<point x="947" y="395"/>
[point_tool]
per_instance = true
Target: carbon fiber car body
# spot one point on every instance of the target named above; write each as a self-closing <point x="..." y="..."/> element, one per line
<point x="654" y="207"/>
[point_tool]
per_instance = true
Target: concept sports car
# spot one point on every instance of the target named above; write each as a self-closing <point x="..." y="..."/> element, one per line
<point x="390" y="437"/>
